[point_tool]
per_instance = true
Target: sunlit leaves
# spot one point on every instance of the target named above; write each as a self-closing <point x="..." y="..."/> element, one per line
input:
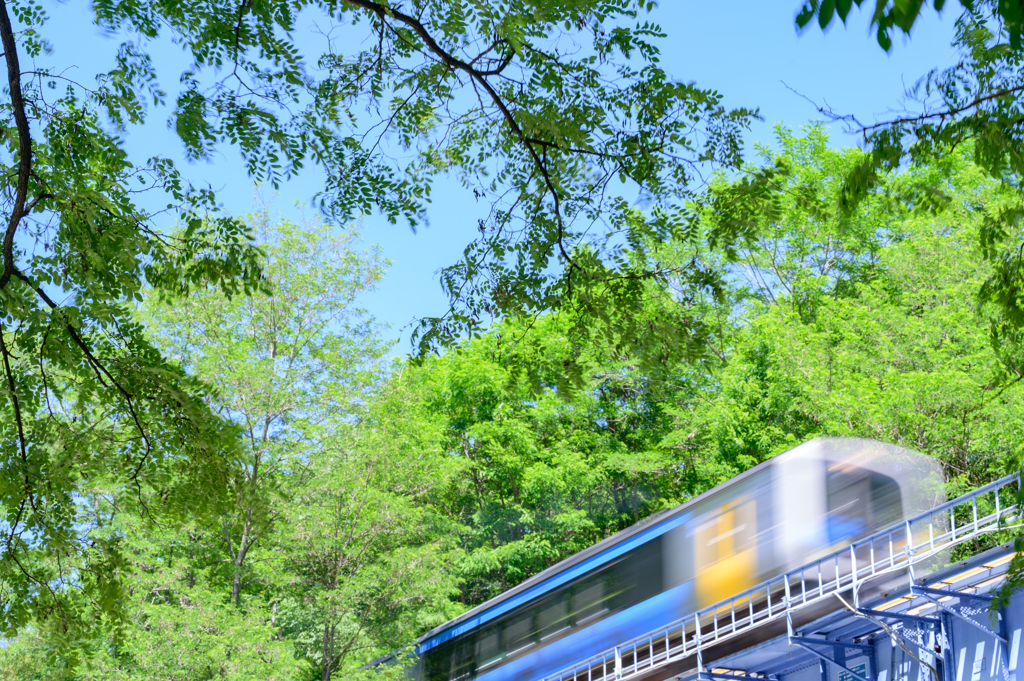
<point x="977" y="104"/>
<point x="859" y="321"/>
<point x="542" y="476"/>
<point x="553" y="115"/>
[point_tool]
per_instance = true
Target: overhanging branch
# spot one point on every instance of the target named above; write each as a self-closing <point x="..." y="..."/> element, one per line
<point x="24" y="142"/>
<point x="480" y="77"/>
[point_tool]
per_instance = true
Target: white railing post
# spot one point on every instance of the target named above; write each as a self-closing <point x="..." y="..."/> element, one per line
<point x="853" y="567"/>
<point x="910" y="553"/>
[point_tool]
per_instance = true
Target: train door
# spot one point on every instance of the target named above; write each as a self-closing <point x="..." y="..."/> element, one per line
<point x="725" y="550"/>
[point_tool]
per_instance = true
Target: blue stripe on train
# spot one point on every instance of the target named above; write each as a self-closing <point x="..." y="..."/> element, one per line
<point x="559" y="579"/>
<point x="649" y="615"/>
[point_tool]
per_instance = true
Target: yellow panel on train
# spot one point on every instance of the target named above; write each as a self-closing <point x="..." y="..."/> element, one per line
<point x="725" y="552"/>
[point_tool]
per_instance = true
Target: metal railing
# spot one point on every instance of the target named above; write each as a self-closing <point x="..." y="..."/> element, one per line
<point x="914" y="543"/>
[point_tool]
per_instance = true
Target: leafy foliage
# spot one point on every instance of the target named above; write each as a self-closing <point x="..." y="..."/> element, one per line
<point x="324" y="550"/>
<point x="402" y="499"/>
<point x="903" y="14"/>
<point x="976" y="104"/>
<point x="830" y="321"/>
<point x="551" y="113"/>
<point x="862" y="323"/>
<point x="542" y="477"/>
<point x="324" y="540"/>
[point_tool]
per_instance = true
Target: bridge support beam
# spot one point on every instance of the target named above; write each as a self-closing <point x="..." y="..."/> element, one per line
<point x="915" y="629"/>
<point x="838" y="659"/>
<point x="966" y="609"/>
<point x="819" y="646"/>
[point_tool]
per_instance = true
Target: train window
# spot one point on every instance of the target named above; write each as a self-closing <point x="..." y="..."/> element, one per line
<point x="457" y="661"/>
<point x="886" y="500"/>
<point x="635" y="577"/>
<point x="618" y="584"/>
<point x="849" y="505"/>
<point x="519" y="632"/>
<point x="861" y="502"/>
<point x="590" y="599"/>
<point x="554" y="615"/>
<point x="439" y="662"/>
<point x="435" y="665"/>
<point x="488" y="647"/>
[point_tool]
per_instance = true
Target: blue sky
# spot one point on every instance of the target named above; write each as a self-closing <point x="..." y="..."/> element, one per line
<point x="748" y="51"/>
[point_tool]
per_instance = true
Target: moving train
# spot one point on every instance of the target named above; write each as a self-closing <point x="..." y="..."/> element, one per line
<point x="783" y="513"/>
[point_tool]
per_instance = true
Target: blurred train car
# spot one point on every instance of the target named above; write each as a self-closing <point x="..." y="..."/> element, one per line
<point x="785" y="512"/>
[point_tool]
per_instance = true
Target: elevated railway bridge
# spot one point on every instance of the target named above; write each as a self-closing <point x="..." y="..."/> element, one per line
<point x="889" y="607"/>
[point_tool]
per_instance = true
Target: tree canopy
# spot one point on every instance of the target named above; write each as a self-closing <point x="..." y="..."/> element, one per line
<point x="553" y="114"/>
<point x="408" y="494"/>
<point x="975" y="102"/>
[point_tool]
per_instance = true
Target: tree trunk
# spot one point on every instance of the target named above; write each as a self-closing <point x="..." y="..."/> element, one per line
<point x="238" y="557"/>
<point x="236" y="585"/>
<point x="327" y="653"/>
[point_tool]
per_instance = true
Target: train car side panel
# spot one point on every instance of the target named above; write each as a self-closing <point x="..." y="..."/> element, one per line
<point x="655" y="612"/>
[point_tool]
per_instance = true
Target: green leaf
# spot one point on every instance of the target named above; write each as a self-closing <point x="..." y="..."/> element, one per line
<point x="825" y="12"/>
<point x="807" y="12"/>
<point x="843" y="8"/>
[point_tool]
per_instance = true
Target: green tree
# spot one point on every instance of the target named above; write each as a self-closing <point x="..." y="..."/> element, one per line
<point x="327" y="547"/>
<point x="326" y="551"/>
<point x="289" y="366"/>
<point x="547" y="465"/>
<point x="366" y="548"/>
<point x="27" y="658"/>
<point x="976" y="102"/>
<point x="504" y="100"/>
<point x="861" y="323"/>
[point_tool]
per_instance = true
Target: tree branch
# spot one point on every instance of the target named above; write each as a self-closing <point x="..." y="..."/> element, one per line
<point x="14" y="400"/>
<point x="455" y="63"/>
<point x="96" y="365"/>
<point x="947" y="113"/>
<point x="24" y="142"/>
